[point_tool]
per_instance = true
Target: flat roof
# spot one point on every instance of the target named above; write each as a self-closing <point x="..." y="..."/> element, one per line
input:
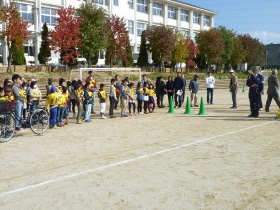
<point x="194" y="6"/>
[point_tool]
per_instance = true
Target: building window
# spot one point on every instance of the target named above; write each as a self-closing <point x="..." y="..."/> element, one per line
<point x="185" y="33"/>
<point x="130" y="4"/>
<point x="130" y="26"/>
<point x="142" y="6"/>
<point x="140" y="28"/>
<point x="98" y="2"/>
<point x="116" y="2"/>
<point x="171" y="12"/>
<point x="25" y="12"/>
<point x="195" y="17"/>
<point x="206" y="20"/>
<point x="29" y="50"/>
<point x="184" y="15"/>
<point x="48" y="16"/>
<point x="157" y="9"/>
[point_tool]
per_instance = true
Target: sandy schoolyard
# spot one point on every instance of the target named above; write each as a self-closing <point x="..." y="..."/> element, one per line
<point x="223" y="160"/>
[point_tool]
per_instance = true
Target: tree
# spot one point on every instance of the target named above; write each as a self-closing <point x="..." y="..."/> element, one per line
<point x="18" y="57"/>
<point x="180" y="51"/>
<point x="193" y="52"/>
<point x="255" y="51"/>
<point x="238" y="54"/>
<point x="45" y="53"/>
<point x="118" y="41"/>
<point x="14" y="30"/>
<point x="143" y="55"/>
<point x="210" y="45"/>
<point x="129" y="61"/>
<point x="65" y="36"/>
<point x="228" y="37"/>
<point x="161" y="41"/>
<point x="94" y="30"/>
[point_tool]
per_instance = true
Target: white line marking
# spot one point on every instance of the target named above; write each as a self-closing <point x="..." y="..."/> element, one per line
<point x="126" y="161"/>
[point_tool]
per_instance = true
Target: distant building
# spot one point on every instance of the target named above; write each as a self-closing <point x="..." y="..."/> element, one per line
<point x="273" y="55"/>
<point x="138" y="14"/>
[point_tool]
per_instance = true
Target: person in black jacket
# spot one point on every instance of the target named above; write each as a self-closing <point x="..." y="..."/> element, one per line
<point x="179" y="86"/>
<point x="160" y="91"/>
<point x="170" y="88"/>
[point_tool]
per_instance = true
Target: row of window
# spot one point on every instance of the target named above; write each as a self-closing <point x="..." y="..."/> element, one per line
<point x="48" y="15"/>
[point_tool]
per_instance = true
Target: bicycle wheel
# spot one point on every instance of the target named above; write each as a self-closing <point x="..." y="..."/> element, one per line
<point x="39" y="121"/>
<point x="7" y="127"/>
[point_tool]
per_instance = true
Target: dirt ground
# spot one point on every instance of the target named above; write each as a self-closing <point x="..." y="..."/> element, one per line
<point x="223" y="160"/>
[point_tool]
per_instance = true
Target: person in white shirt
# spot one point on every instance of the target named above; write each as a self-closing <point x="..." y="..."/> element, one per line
<point x="210" y="81"/>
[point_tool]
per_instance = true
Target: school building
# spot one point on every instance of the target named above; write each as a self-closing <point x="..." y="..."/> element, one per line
<point x="187" y="18"/>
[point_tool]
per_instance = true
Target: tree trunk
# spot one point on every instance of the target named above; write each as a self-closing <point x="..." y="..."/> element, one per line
<point x="9" y="69"/>
<point x="89" y="62"/>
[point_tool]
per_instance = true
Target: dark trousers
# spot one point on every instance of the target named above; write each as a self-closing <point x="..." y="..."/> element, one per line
<point x="139" y="106"/>
<point x="178" y="99"/>
<point x="73" y="102"/>
<point x="160" y="98"/>
<point x="255" y="104"/>
<point x="170" y="94"/>
<point x="145" y="106"/>
<point x="112" y="105"/>
<point x="210" y="92"/>
<point x="53" y="116"/>
<point x="117" y="102"/>
<point x="269" y="99"/>
<point x="129" y="106"/>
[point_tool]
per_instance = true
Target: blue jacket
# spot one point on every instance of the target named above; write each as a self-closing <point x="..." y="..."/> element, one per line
<point x="258" y="80"/>
<point x="179" y="84"/>
<point x="193" y="86"/>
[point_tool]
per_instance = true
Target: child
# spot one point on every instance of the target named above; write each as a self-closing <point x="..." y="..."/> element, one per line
<point x="151" y="98"/>
<point x="67" y="101"/>
<point x="52" y="102"/>
<point x="87" y="102"/>
<point x="22" y="93"/>
<point x="124" y="97"/>
<point x="78" y="101"/>
<point x="113" y="98"/>
<point x="102" y="100"/>
<point x="140" y="97"/>
<point x="146" y="97"/>
<point x="60" y="109"/>
<point x="131" y="100"/>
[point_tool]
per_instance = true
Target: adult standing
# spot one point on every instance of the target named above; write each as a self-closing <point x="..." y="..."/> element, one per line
<point x="233" y="87"/>
<point x="18" y="99"/>
<point x="255" y="83"/>
<point x="193" y="87"/>
<point x="272" y="90"/>
<point x="118" y="92"/>
<point x="144" y="79"/>
<point x="184" y="90"/>
<point x="160" y="91"/>
<point x="178" y="88"/>
<point x="210" y="81"/>
<point x="170" y="88"/>
<point x="92" y="82"/>
<point x="262" y="78"/>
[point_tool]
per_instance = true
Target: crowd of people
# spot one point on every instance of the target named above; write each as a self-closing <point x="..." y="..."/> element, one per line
<point x="78" y="96"/>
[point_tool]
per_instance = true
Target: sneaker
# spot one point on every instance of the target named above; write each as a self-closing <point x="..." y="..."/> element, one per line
<point x="103" y="117"/>
<point x="60" y="125"/>
<point x="130" y="114"/>
<point x="112" y="117"/>
<point x="141" y="113"/>
<point x="19" y="129"/>
<point x="53" y="127"/>
<point x="125" y="115"/>
<point x="261" y="109"/>
<point x="88" y="120"/>
<point x="233" y="107"/>
<point x="116" y="108"/>
<point x="267" y="111"/>
<point x="80" y="122"/>
<point x="135" y="114"/>
<point x="66" y="123"/>
<point x="175" y="106"/>
<point x="196" y="105"/>
<point x="93" y="112"/>
<point x="74" y="115"/>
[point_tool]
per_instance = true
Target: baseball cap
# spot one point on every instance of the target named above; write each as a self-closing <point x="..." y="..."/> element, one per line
<point x="231" y="71"/>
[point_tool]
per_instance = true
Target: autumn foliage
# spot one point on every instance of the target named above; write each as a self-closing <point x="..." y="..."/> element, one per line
<point x="193" y="52"/>
<point x="118" y="41"/>
<point x="65" y="36"/>
<point x="14" y="30"/>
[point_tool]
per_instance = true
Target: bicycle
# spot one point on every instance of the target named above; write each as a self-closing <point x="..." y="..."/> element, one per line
<point x="37" y="120"/>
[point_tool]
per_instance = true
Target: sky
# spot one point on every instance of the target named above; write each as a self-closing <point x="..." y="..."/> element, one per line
<point x="259" y="18"/>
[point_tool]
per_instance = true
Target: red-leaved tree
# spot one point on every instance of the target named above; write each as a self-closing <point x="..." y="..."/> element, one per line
<point x="14" y="29"/>
<point x="118" y="41"/>
<point x="193" y="52"/>
<point x="65" y="36"/>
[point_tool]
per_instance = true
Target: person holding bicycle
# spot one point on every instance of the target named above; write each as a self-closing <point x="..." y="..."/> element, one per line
<point x="18" y="99"/>
<point x="34" y="95"/>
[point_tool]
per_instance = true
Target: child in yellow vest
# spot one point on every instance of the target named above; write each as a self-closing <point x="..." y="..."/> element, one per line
<point x="67" y="100"/>
<point x="60" y="109"/>
<point x="102" y="99"/>
<point x="52" y="103"/>
<point x="87" y="101"/>
<point x="151" y="104"/>
<point x="131" y="100"/>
